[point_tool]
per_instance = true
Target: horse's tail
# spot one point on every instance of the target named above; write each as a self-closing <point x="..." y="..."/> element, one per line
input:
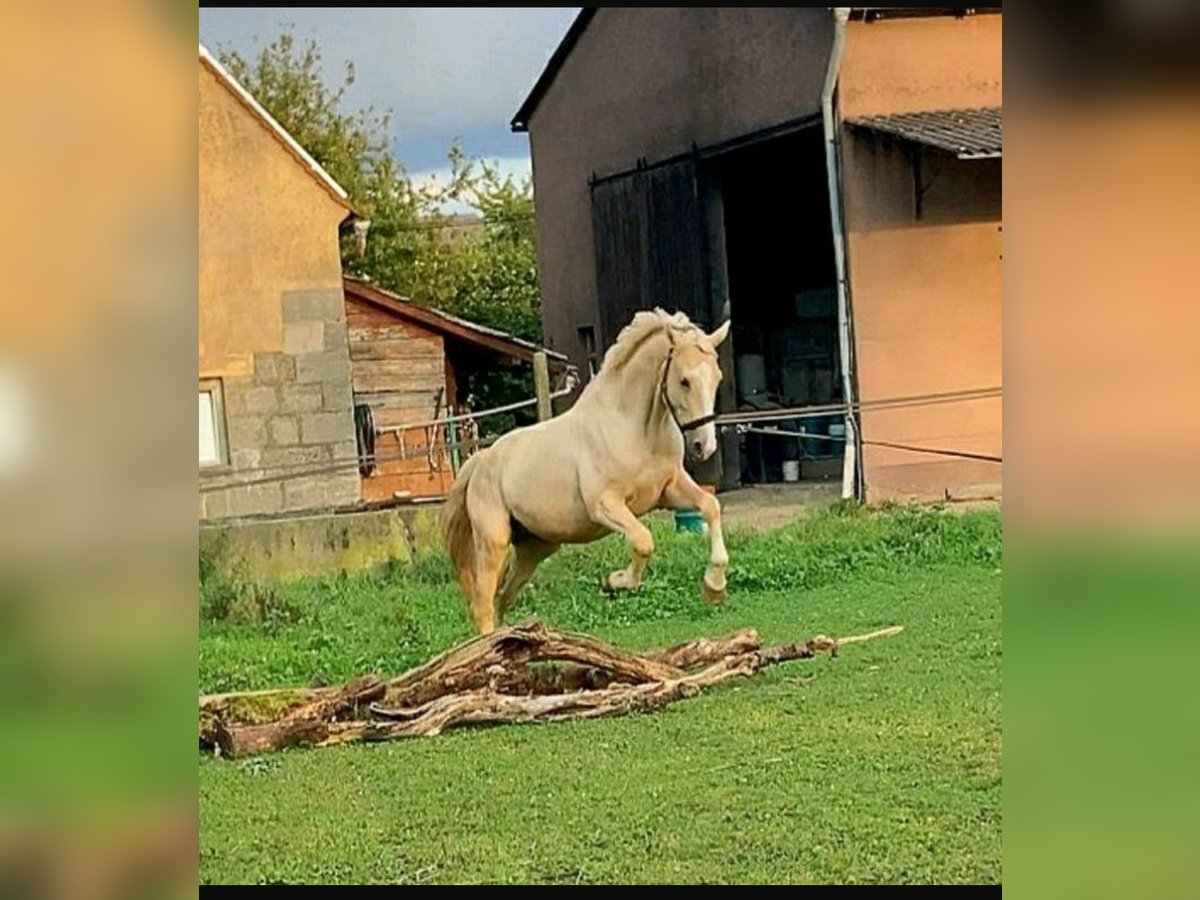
<point x="456" y="527"/>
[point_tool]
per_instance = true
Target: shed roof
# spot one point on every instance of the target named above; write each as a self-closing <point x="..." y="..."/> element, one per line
<point x="445" y="324"/>
<point x="520" y="120"/>
<point x="967" y="133"/>
<point x="280" y="133"/>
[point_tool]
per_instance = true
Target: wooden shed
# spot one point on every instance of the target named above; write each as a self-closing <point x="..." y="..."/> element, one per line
<point x="409" y="365"/>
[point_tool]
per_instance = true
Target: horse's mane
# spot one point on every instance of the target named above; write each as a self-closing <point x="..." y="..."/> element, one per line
<point x="645" y="325"/>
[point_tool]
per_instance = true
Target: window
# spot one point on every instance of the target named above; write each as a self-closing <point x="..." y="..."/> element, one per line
<point x="212" y="425"/>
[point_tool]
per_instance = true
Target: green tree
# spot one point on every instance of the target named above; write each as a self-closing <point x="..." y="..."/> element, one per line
<point x="490" y="279"/>
<point x="355" y="148"/>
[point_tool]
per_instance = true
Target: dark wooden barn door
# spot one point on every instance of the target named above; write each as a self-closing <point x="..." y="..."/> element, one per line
<point x="650" y="245"/>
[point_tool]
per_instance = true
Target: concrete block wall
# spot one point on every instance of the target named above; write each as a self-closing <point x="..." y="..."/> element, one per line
<point x="287" y="549"/>
<point x="293" y="417"/>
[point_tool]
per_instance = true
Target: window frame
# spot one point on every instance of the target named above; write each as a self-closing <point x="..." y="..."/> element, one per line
<point x="215" y="389"/>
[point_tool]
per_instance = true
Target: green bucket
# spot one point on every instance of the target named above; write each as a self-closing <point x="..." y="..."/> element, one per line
<point x="690" y="520"/>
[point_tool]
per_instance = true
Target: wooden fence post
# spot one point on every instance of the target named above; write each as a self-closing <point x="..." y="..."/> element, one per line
<point x="541" y="385"/>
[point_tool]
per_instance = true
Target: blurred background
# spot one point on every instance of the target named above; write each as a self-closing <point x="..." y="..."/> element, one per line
<point x="97" y="540"/>
<point x="1102" y="432"/>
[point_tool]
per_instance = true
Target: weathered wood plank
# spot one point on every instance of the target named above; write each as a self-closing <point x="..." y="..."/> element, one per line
<point x="364" y="347"/>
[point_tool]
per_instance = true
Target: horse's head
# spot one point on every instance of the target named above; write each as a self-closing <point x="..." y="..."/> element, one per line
<point x="690" y="386"/>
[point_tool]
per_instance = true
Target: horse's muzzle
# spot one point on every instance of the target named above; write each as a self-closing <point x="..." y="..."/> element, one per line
<point x="699" y="449"/>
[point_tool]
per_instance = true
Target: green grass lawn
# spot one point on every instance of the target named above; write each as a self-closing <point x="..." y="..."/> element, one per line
<point x="880" y="766"/>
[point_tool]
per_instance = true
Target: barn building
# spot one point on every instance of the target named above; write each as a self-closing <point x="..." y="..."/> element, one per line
<point x="830" y="179"/>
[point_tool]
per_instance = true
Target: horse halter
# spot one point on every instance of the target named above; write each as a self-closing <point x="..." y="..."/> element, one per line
<point x="684" y="427"/>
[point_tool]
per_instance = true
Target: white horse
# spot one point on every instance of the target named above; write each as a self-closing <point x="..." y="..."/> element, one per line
<point x="615" y="455"/>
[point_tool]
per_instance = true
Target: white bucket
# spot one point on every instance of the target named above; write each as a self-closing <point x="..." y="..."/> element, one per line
<point x="791" y="470"/>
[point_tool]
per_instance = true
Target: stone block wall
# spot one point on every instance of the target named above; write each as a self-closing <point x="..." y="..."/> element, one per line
<point x="290" y="426"/>
<point x="295" y="547"/>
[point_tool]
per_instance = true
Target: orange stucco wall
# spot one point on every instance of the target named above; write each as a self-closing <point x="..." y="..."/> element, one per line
<point x="925" y="288"/>
<point x="266" y="227"/>
<point x="904" y="65"/>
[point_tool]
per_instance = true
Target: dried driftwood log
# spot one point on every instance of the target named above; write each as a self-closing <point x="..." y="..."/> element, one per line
<point x="523" y="673"/>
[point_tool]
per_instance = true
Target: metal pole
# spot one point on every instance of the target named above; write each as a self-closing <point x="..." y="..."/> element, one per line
<point x="541" y="386"/>
<point x="845" y="350"/>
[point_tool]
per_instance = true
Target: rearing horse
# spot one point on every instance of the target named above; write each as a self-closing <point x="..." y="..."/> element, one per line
<point x="615" y="455"/>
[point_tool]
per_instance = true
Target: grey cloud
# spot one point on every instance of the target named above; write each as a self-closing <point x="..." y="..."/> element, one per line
<point x="443" y="72"/>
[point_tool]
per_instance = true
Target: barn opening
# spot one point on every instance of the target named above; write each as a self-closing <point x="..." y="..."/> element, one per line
<point x="775" y="248"/>
<point x="741" y="232"/>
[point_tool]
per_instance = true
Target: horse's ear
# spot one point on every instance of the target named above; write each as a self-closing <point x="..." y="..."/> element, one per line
<point x="720" y="334"/>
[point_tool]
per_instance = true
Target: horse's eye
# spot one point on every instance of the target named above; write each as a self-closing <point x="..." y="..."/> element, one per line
<point x="684" y="383"/>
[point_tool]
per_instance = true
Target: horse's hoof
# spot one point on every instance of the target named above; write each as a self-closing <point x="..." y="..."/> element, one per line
<point x="712" y="596"/>
<point x="616" y="582"/>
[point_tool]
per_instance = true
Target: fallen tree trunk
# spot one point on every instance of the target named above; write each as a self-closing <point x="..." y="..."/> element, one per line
<point x="472" y="665"/>
<point x="252" y="708"/>
<point x="307" y="724"/>
<point x="500" y="660"/>
<point x="704" y="651"/>
<point x="504" y="677"/>
<point x="490" y="707"/>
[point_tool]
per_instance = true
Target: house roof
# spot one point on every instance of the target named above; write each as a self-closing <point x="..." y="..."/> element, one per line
<point x="302" y="156"/>
<point x="447" y="325"/>
<point x="520" y="121"/>
<point x="967" y="133"/>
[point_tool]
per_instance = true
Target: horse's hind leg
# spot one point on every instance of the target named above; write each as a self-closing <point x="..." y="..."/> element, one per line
<point x="492" y="534"/>
<point x="527" y="556"/>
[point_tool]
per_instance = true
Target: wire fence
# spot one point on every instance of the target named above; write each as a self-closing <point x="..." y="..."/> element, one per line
<point x="745" y="420"/>
<point x="437" y="444"/>
<point x="440" y="444"/>
<point x="934" y="451"/>
<point x="833" y="409"/>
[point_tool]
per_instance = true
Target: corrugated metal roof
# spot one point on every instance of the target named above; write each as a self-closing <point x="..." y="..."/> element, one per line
<point x="967" y="133"/>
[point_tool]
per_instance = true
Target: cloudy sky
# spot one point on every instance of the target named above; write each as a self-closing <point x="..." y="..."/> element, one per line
<point x="444" y="73"/>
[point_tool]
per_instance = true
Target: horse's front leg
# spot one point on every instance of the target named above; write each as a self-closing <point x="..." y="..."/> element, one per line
<point x="611" y="512"/>
<point x="683" y="493"/>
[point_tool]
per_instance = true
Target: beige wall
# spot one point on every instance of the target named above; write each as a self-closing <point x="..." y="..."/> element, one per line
<point x="272" y="320"/>
<point x="925" y="289"/>
<point x="927" y="318"/>
<point x="905" y="65"/>
<point x="266" y="227"/>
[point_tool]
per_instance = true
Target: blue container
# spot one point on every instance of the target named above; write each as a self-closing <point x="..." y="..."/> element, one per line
<point x="837" y="430"/>
<point x="690" y="520"/>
